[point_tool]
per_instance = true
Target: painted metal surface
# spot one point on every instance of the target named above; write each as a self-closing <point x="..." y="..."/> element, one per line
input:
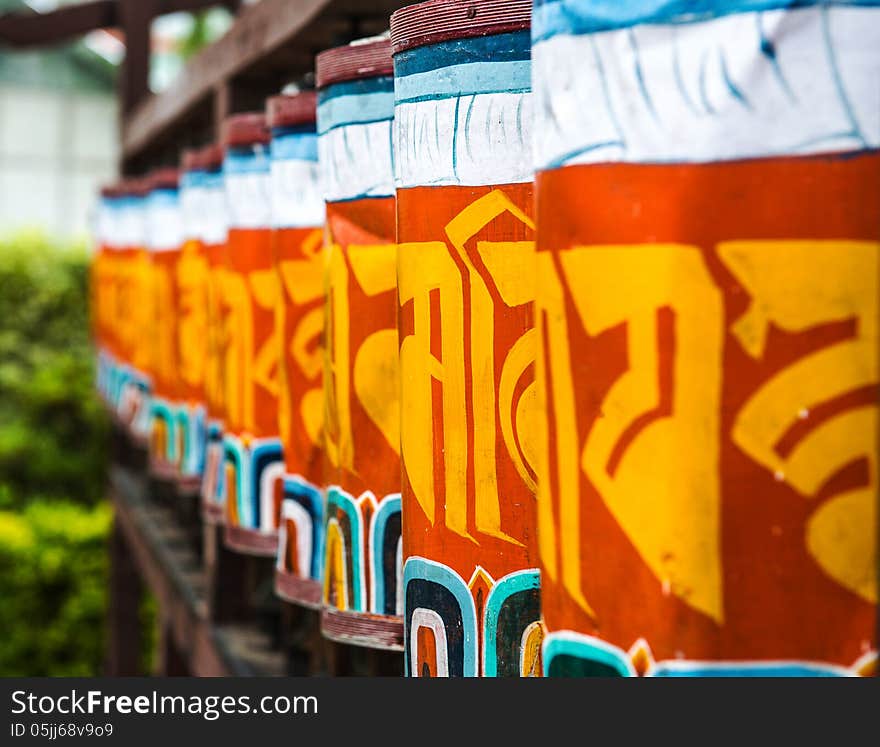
<point x="297" y="222"/>
<point x="362" y="572"/>
<point x="252" y="453"/>
<point x="467" y="341"/>
<point x="707" y="309"/>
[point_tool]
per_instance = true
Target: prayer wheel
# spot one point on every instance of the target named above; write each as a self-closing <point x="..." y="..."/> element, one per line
<point x="191" y="287"/>
<point x="133" y="313"/>
<point x="102" y="287"/>
<point x="707" y="307"/>
<point x="466" y="255"/>
<point x="252" y="453"/>
<point x="165" y="240"/>
<point x="297" y="222"/>
<point x="361" y="581"/>
<point x="214" y="236"/>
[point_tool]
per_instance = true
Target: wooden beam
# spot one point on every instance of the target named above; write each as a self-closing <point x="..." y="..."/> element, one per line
<point x="20" y="29"/>
<point x="259" y="30"/>
<point x="27" y="29"/>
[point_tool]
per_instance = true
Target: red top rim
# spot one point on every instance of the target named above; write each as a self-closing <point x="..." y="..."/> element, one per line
<point x="134" y="186"/>
<point x="290" y="110"/>
<point x="355" y="61"/>
<point x="164" y="178"/>
<point x="211" y="157"/>
<point x="109" y="191"/>
<point x="435" y="21"/>
<point x="191" y="159"/>
<point x="241" y="130"/>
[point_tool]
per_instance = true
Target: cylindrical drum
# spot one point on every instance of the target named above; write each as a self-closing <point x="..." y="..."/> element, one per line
<point x="467" y="341"/>
<point x="707" y="201"/>
<point x="191" y="290"/>
<point x="253" y="462"/>
<point x="102" y="286"/>
<point x="133" y="314"/>
<point x="297" y="221"/>
<point x="361" y="584"/>
<point x="213" y="235"/>
<point x="165" y="239"/>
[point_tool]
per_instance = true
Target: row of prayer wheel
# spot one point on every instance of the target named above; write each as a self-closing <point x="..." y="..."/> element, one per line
<point x="533" y="341"/>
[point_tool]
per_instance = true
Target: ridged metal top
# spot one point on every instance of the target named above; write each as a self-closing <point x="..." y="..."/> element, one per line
<point x="442" y="20"/>
<point x="164" y="178"/>
<point x="360" y="59"/>
<point x="249" y="128"/>
<point x="290" y="110"/>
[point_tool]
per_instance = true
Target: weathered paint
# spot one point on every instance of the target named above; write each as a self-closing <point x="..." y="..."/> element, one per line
<point x="131" y="309"/>
<point x="466" y="260"/>
<point x="191" y="284"/>
<point x="165" y="240"/>
<point x="361" y="575"/>
<point x="252" y="453"/>
<point x="214" y="237"/>
<point x="297" y="221"/>
<point x="707" y="310"/>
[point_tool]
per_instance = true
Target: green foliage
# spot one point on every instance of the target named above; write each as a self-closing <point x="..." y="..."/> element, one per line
<point x="53" y="581"/>
<point x="53" y="522"/>
<point x="52" y="429"/>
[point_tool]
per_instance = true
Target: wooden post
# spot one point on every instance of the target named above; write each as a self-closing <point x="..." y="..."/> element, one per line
<point x="124" y="633"/>
<point x="170" y="662"/>
<point x="136" y="19"/>
<point x="227" y="578"/>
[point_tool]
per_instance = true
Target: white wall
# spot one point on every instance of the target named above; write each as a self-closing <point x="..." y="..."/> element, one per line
<point x="56" y="149"/>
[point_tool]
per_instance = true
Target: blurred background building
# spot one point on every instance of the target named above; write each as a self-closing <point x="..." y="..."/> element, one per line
<point x="58" y="116"/>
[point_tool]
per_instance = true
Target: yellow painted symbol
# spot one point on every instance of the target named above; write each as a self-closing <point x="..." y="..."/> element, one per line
<point x="192" y="323"/>
<point x="430" y="278"/>
<point x="795" y="286"/>
<point x="374" y="378"/>
<point x="652" y="453"/>
<point x="265" y="291"/>
<point x="335" y="581"/>
<point x="164" y="323"/>
<point x="238" y="339"/>
<point x="303" y="282"/>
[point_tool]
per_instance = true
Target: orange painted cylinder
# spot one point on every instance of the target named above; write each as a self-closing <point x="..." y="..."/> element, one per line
<point x="214" y="237"/>
<point x="252" y="453"/>
<point x="467" y="343"/>
<point x="132" y="314"/>
<point x="707" y="266"/>
<point x="191" y="289"/>
<point x="297" y="222"/>
<point x="165" y="240"/>
<point x="361" y="580"/>
<point x="102" y="287"/>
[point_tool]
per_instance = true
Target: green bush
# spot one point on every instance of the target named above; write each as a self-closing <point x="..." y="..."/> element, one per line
<point x="53" y="577"/>
<point x="52" y="429"/>
<point x="53" y="521"/>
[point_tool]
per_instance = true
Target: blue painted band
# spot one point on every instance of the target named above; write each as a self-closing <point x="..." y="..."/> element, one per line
<point x="213" y="179"/>
<point x="557" y="17"/>
<point x="246" y="162"/>
<point x="381" y="84"/>
<point x="289" y="145"/>
<point x="164" y="198"/>
<point x="362" y="108"/>
<point x="464" y="80"/>
<point x="512" y="47"/>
